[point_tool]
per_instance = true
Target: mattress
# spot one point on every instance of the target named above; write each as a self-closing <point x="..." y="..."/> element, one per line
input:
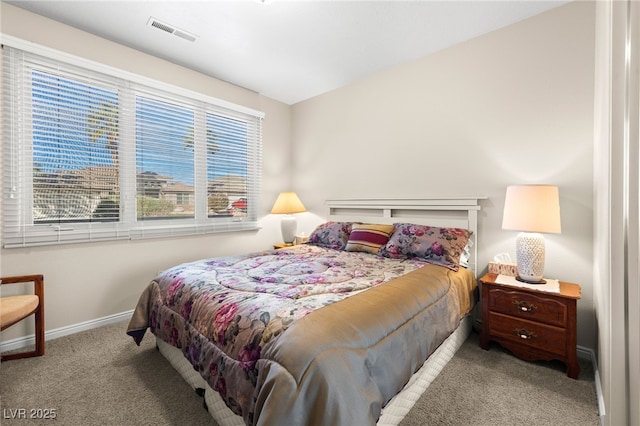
<point x="392" y="414"/>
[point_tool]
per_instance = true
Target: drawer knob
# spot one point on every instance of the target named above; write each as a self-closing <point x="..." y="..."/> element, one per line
<point x="524" y="334"/>
<point x="523" y="306"/>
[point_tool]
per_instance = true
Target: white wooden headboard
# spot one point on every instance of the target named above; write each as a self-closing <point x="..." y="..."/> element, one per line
<point x="457" y="212"/>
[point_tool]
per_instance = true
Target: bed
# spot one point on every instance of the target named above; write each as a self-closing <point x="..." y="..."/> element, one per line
<point x="349" y="328"/>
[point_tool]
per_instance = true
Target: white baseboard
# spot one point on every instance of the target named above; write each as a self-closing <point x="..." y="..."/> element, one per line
<point x="22" y="342"/>
<point x="589" y="354"/>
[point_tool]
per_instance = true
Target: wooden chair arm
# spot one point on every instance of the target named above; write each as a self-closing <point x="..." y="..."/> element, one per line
<point x="38" y="290"/>
<point x="38" y="282"/>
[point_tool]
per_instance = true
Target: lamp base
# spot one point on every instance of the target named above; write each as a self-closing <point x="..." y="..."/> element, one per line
<point x="288" y="226"/>
<point x="540" y="281"/>
<point x="530" y="257"/>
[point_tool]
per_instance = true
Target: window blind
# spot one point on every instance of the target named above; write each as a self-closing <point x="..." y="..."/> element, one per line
<point x="90" y="155"/>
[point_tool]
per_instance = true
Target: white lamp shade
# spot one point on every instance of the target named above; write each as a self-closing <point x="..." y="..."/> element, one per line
<point x="288" y="203"/>
<point x="532" y="208"/>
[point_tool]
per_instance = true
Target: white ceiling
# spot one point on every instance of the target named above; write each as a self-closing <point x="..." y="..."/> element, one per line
<point x="290" y="50"/>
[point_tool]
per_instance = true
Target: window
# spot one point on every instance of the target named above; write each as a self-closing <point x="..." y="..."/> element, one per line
<point x="94" y="155"/>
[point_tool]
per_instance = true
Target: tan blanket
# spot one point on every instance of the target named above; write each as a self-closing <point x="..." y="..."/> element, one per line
<point x="341" y="364"/>
<point x="336" y="365"/>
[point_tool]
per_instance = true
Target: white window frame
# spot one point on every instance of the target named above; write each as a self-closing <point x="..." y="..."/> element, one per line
<point x="18" y="227"/>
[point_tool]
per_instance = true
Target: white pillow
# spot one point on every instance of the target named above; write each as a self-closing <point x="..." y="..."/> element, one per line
<point x="466" y="254"/>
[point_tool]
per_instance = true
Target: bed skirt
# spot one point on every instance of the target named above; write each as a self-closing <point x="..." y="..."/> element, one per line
<point x="392" y="413"/>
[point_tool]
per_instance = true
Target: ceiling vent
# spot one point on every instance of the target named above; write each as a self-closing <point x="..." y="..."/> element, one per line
<point x="163" y="26"/>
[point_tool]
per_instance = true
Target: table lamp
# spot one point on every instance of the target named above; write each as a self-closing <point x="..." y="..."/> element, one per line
<point x="533" y="210"/>
<point x="287" y="204"/>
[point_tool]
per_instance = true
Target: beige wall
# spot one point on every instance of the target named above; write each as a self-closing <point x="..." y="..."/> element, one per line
<point x="514" y="106"/>
<point x="84" y="282"/>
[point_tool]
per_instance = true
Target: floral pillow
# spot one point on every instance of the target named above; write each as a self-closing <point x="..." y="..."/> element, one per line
<point x="332" y="235"/>
<point x="441" y="246"/>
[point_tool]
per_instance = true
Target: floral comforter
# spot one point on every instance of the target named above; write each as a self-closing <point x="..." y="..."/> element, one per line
<point x="232" y="317"/>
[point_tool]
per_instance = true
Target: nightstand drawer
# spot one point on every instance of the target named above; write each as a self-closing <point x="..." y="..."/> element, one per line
<point x="528" y="306"/>
<point x="535" y="335"/>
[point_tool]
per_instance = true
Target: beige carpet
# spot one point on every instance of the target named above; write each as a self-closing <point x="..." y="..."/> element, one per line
<point x="100" y="377"/>
<point x="488" y="388"/>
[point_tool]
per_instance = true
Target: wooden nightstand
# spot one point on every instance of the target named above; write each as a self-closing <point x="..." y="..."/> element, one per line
<point x="281" y="245"/>
<point x="533" y="324"/>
